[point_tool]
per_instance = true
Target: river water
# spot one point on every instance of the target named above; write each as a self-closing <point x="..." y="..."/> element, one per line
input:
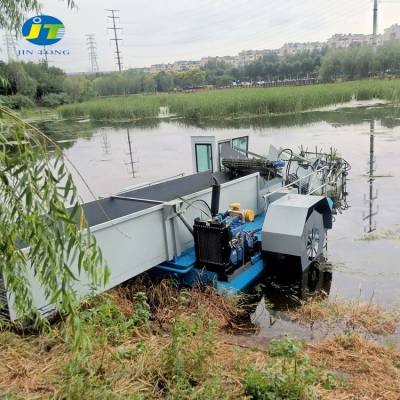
<point x="112" y="157"/>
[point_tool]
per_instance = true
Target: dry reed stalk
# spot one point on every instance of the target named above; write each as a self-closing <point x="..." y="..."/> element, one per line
<point x="369" y="317"/>
<point x="372" y="371"/>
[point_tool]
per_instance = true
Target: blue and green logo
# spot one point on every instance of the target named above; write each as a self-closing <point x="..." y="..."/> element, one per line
<point x="43" y="30"/>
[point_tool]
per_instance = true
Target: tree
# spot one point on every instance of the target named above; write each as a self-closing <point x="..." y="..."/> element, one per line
<point x="165" y="82"/>
<point x="42" y="225"/>
<point x="13" y="12"/>
<point x="193" y="77"/>
<point x="43" y="231"/>
<point x="149" y="83"/>
<point x="78" y="88"/>
<point x="364" y="61"/>
<point x="331" y="67"/>
<point x="360" y="61"/>
<point x="20" y="81"/>
<point x="388" y="57"/>
<point x="49" y="79"/>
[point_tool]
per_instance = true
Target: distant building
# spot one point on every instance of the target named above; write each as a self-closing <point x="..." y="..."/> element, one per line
<point x="231" y="60"/>
<point x="179" y="66"/>
<point x="142" y="69"/>
<point x="339" y="41"/>
<point x="157" y="68"/>
<point x="249" y="56"/>
<point x="294" y="48"/>
<point x="246" y="57"/>
<point x="392" y="33"/>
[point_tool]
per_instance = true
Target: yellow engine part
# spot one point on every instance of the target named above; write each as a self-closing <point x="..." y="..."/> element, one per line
<point x="234" y="206"/>
<point x="249" y="215"/>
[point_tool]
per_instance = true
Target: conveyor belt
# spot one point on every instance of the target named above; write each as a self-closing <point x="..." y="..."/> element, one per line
<point x="98" y="212"/>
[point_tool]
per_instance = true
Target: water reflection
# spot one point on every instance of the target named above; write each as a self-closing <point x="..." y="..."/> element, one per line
<point x="372" y="194"/>
<point x="388" y="116"/>
<point x="130" y="146"/>
<point x="285" y="286"/>
<point x="105" y="142"/>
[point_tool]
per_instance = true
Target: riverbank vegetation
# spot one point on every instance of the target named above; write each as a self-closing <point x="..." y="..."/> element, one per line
<point x="234" y="103"/>
<point x="40" y="84"/>
<point x="158" y="341"/>
<point x="119" y="108"/>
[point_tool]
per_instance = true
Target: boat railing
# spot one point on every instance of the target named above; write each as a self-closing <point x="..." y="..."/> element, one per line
<point x="298" y="183"/>
<point x="147" y="184"/>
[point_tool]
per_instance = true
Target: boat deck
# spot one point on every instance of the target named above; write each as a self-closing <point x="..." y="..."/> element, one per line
<point x="110" y="208"/>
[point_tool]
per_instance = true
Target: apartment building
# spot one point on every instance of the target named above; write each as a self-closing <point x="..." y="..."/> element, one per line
<point x="246" y="57"/>
<point x="392" y="33"/>
<point x="294" y="48"/>
<point x="339" y="41"/>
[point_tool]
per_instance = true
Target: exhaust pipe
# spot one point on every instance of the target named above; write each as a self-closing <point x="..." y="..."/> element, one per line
<point x="216" y="190"/>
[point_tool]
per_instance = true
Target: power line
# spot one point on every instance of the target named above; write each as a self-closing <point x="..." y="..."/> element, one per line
<point x="92" y="49"/>
<point x="10" y="43"/>
<point x="114" y="19"/>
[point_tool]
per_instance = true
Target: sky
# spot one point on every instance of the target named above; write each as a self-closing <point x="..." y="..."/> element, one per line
<point x="161" y="31"/>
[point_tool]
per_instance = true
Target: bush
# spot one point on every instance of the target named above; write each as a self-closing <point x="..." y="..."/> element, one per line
<point x="16" y="102"/>
<point x="187" y="358"/>
<point x="56" y="99"/>
<point x="105" y="322"/>
<point x="288" y="376"/>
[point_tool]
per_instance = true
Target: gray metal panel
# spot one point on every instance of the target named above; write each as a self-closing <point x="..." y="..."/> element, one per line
<point x="284" y="219"/>
<point x="298" y="201"/>
<point x="284" y="229"/>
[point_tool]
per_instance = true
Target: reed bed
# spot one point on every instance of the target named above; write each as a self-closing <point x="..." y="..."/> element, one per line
<point x="234" y="103"/>
<point x="275" y="101"/>
<point x="116" y="108"/>
<point x="388" y="234"/>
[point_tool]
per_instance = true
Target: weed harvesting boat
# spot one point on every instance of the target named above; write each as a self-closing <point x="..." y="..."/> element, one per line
<point x="237" y="215"/>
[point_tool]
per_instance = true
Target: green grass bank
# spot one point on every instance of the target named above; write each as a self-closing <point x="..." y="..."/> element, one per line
<point x="234" y="102"/>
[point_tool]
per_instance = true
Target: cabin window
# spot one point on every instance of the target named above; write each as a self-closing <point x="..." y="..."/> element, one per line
<point x="221" y="146"/>
<point x="241" y="143"/>
<point x="204" y="157"/>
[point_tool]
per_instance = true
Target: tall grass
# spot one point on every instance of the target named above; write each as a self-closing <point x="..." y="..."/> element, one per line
<point x="235" y="102"/>
<point x="117" y="108"/>
<point x="272" y="101"/>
